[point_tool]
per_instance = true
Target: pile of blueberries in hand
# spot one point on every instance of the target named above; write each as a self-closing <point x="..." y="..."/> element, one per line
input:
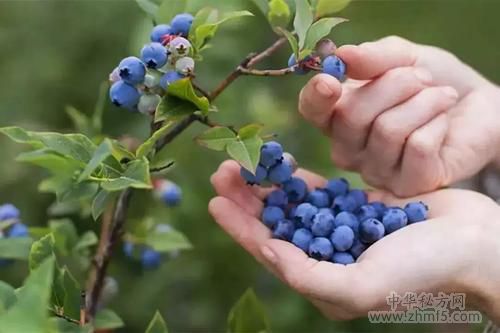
<point x="11" y="226"/>
<point x="334" y="223"/>
<point x="138" y="83"/>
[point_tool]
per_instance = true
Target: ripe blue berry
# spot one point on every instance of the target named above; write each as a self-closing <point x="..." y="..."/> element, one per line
<point x="271" y="215"/>
<point x="334" y="66"/>
<point x="416" y="211"/>
<point x="124" y="95"/>
<point x="321" y="248"/>
<point x="159" y="31"/>
<point x="277" y="198"/>
<point x="304" y="214"/>
<point x="150" y="258"/>
<point x="394" y="219"/>
<point x="298" y="69"/>
<point x="343" y="258"/>
<point x="296" y="189"/>
<point x="322" y="225"/>
<point x="169" y="78"/>
<point x="345" y="203"/>
<point x="337" y="186"/>
<point x="366" y="211"/>
<point x="319" y="198"/>
<point x="342" y="238"/>
<point x="284" y="230"/>
<point x="380" y="207"/>
<point x="291" y="160"/>
<point x="280" y="173"/>
<point x="270" y="153"/>
<point x="170" y="193"/>
<point x="359" y="196"/>
<point x="179" y="47"/>
<point x="357" y="248"/>
<point x="185" y="65"/>
<point x="154" y="55"/>
<point x="326" y="211"/>
<point x="181" y="24"/>
<point x="8" y="211"/>
<point x="371" y="230"/>
<point x="18" y="230"/>
<point x="148" y="103"/>
<point x="348" y="219"/>
<point x="302" y="239"/>
<point x="250" y="178"/>
<point x="132" y="70"/>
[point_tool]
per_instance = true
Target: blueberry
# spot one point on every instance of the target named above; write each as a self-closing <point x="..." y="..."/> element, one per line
<point x="337" y="186"/>
<point x="322" y="225"/>
<point x="291" y="160"/>
<point x="148" y="103"/>
<point x="250" y="178"/>
<point x="367" y="211"/>
<point x="8" y="211"/>
<point x="18" y="230"/>
<point x="124" y="95"/>
<point x="270" y="153"/>
<point x="284" y="230"/>
<point x="380" y="207"/>
<point x="371" y="230"/>
<point x="320" y="248"/>
<point x="277" y="198"/>
<point x="319" y="198"/>
<point x="343" y="258"/>
<point x="296" y="189"/>
<point x="344" y="203"/>
<point x="128" y="249"/>
<point x="280" y="173"/>
<point x="271" y="215"/>
<point x="169" y="78"/>
<point x="334" y="66"/>
<point x="132" y="70"/>
<point x="171" y="194"/>
<point x="298" y="70"/>
<point x="150" y="258"/>
<point x="326" y="211"/>
<point x="342" y="238"/>
<point x="179" y="47"/>
<point x="304" y="214"/>
<point x="185" y="65"/>
<point x="359" y="196"/>
<point x="347" y="219"/>
<point x="291" y="212"/>
<point x="159" y="31"/>
<point x="154" y="55"/>
<point x="357" y="248"/>
<point x="394" y="219"/>
<point x="302" y="238"/>
<point x="416" y="212"/>
<point x="181" y="24"/>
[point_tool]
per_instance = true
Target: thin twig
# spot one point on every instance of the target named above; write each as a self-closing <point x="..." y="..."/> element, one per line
<point x="161" y="168"/>
<point x="267" y="52"/>
<point x="62" y="316"/>
<point x="267" y="72"/>
<point x="199" y="89"/>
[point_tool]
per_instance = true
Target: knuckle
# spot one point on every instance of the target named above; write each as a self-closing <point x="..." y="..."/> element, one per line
<point x="386" y="129"/>
<point x="420" y="145"/>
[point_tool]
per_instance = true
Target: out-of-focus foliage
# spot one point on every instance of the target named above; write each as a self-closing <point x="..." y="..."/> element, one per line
<point x="56" y="53"/>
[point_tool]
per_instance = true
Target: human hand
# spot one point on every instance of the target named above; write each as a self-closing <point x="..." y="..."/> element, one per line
<point x="448" y="253"/>
<point x="413" y="118"/>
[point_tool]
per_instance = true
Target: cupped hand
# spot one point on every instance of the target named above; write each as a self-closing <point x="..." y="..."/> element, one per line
<point x="411" y="119"/>
<point x="448" y="253"/>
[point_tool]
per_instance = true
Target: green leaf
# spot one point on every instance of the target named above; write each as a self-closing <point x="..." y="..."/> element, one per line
<point x="41" y="250"/>
<point x="203" y="16"/>
<point x="30" y="314"/>
<point x="102" y="152"/>
<point x="15" y="248"/>
<point x="184" y="90"/>
<point x="279" y="14"/>
<point x="249" y="131"/>
<point x="172" y="108"/>
<point x="80" y="121"/>
<point x="65" y="235"/>
<point x="100" y="202"/>
<point x="77" y="191"/>
<point x="148" y="6"/>
<point x="149" y="144"/>
<point x="66" y="293"/>
<point x="64" y="326"/>
<point x="50" y="160"/>
<point x="136" y="175"/>
<point x="89" y="238"/>
<point x="7" y="297"/>
<point x="169" y="8"/>
<point x="291" y="40"/>
<point x="303" y="19"/>
<point x="246" y="152"/>
<point x="321" y="29"/>
<point x="19" y="135"/>
<point x="248" y="315"/>
<point x="328" y="7"/>
<point x="157" y="324"/>
<point x="120" y="152"/>
<point x="107" y="319"/>
<point x="216" y="138"/>
<point x="168" y="241"/>
<point x="77" y="146"/>
<point x="263" y="5"/>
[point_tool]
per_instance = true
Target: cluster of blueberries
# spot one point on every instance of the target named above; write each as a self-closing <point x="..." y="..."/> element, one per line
<point x="137" y="83"/>
<point x="334" y="223"/>
<point x="170" y="194"/>
<point x="11" y="226"/>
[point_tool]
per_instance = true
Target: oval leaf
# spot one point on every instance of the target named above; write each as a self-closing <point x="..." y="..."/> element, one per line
<point x="157" y="324"/>
<point x="328" y="7"/>
<point x="101" y="153"/>
<point x="248" y="315"/>
<point x="303" y="20"/>
<point x="321" y="29"/>
<point x="184" y="90"/>
<point x="216" y="138"/>
<point x="149" y="144"/>
<point x="246" y="152"/>
<point x="279" y="13"/>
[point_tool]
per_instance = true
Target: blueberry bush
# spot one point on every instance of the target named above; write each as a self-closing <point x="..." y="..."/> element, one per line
<point x="68" y="287"/>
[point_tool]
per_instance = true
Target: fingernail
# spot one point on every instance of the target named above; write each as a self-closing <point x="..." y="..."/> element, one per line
<point x="324" y="89"/>
<point x="269" y="254"/>
<point x="423" y="75"/>
<point x="451" y="92"/>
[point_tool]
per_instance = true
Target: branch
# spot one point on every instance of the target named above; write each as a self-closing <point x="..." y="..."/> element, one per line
<point x="60" y="315"/>
<point x="267" y="72"/>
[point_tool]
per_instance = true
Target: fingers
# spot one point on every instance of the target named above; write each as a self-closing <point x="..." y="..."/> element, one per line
<point x="372" y="59"/>
<point x="401" y="125"/>
<point x="317" y="99"/>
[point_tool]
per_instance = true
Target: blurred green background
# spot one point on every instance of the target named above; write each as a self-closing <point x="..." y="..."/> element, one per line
<point x="56" y="53"/>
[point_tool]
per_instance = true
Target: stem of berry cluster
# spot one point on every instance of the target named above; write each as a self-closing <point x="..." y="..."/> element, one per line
<point x="112" y="228"/>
